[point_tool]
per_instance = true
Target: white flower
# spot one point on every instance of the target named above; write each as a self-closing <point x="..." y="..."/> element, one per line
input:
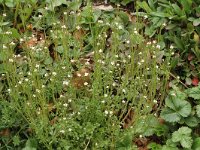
<point x="37" y="90"/>
<point x="123" y="90"/>
<point x="63" y="67"/>
<point x="69" y="129"/>
<point x="123" y="101"/>
<point x="106" y="112"/>
<point x="127" y="41"/>
<point x="9" y="90"/>
<point x="142" y="61"/>
<point x="158" y="46"/>
<point x="103" y="101"/>
<point x="4" y="14"/>
<point x="85" y="83"/>
<point x="65" y="13"/>
<point x="37" y="65"/>
<point x="100" y="21"/>
<point x="120" y="27"/>
<point x="62" y="131"/>
<point x="105" y="95"/>
<point x="78" y="74"/>
<point x="100" y="51"/>
<point x="69" y="100"/>
<point x="145" y="16"/>
<point x="63" y="27"/>
<point x="54" y="73"/>
<point x="66" y="82"/>
<point x="11" y="60"/>
<point x="113" y="63"/>
<point x="65" y="104"/>
<point x="171" y="46"/>
<point x="78" y="27"/>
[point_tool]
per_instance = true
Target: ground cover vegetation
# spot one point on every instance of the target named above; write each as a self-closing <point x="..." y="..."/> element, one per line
<point x="89" y="75"/>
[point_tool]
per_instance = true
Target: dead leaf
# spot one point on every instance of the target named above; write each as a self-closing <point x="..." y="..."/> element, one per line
<point x="81" y="78"/>
<point x="5" y="132"/>
<point x="103" y="7"/>
<point x="54" y="120"/>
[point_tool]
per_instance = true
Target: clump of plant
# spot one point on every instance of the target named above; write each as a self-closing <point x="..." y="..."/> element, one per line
<point x="176" y="24"/>
<point x="81" y="81"/>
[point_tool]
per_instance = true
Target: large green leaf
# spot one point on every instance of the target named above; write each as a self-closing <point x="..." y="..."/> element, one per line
<point x="170" y="115"/>
<point x="183" y="135"/>
<point x="194" y="92"/>
<point x="198" y="110"/>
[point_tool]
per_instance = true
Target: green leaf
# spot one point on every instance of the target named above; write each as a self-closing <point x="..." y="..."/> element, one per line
<point x="191" y="121"/>
<point x="183" y="135"/>
<point x="144" y="6"/>
<point x="196" y="22"/>
<point x="16" y="140"/>
<point x="177" y="9"/>
<point x="124" y="17"/>
<point x="194" y="92"/>
<point x="170" y="115"/>
<point x="179" y="43"/>
<point x="198" y="110"/>
<point x="196" y="144"/>
<point x="178" y="104"/>
<point x="125" y="2"/>
<point x="10" y="3"/>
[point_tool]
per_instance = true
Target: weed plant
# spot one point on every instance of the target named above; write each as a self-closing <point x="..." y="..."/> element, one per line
<point x="83" y="81"/>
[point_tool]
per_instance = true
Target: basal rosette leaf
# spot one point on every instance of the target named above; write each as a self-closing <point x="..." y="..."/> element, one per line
<point x="198" y="110"/>
<point x="183" y="135"/>
<point x="194" y="92"/>
<point x="180" y="106"/>
<point x="170" y="115"/>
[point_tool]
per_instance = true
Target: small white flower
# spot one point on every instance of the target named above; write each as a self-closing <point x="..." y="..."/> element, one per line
<point x="63" y="67"/>
<point x="100" y="51"/>
<point x="69" y="100"/>
<point x="154" y="41"/>
<point x="85" y="83"/>
<point x="112" y="63"/>
<point x="9" y="90"/>
<point x="158" y="46"/>
<point x="120" y="27"/>
<point x="140" y="136"/>
<point x="111" y="112"/>
<point x="37" y="90"/>
<point x="142" y="61"/>
<point x="127" y="41"/>
<point x="20" y="82"/>
<point x="129" y="56"/>
<point x="114" y="84"/>
<point x="106" y="112"/>
<point x="69" y="129"/>
<point x="4" y="14"/>
<point x="65" y="104"/>
<point x="135" y="32"/>
<point x="65" y="13"/>
<point x="34" y="95"/>
<point x="105" y="95"/>
<point x="139" y="63"/>
<point x="78" y="74"/>
<point x="171" y="46"/>
<point x="66" y="83"/>
<point x="100" y="21"/>
<point x="62" y="131"/>
<point x="11" y="60"/>
<point x="46" y="75"/>
<point x="37" y="65"/>
<point x="145" y="97"/>
<point x="145" y="16"/>
<point x="43" y="86"/>
<point x="98" y="43"/>
<point x="103" y="101"/>
<point x="78" y="27"/>
<point x="123" y="101"/>
<point x="155" y="101"/>
<point x="123" y="90"/>
<point x="54" y="73"/>
<point x="63" y="27"/>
